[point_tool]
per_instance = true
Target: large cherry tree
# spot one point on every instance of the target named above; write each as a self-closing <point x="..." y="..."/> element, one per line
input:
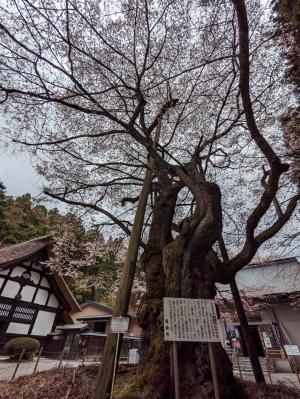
<point x="87" y="85"/>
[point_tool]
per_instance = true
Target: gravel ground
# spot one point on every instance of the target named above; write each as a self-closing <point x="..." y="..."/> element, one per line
<point x="79" y="383"/>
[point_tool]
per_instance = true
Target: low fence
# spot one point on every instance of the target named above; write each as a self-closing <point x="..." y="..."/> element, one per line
<point x="10" y="369"/>
<point x="243" y="367"/>
<point x="45" y="360"/>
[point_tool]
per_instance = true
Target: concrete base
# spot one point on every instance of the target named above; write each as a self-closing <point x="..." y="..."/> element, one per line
<point x="281" y="366"/>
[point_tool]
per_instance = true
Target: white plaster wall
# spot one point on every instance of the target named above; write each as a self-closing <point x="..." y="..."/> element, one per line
<point x="43" y="323"/>
<point x="17" y="271"/>
<point x="37" y="267"/>
<point x="11" y="289"/>
<point x="4" y="272"/>
<point x="35" y="277"/>
<point x="27" y="293"/>
<point x="45" y="283"/>
<point x="41" y="297"/>
<point x="53" y="301"/>
<point x="18" y="328"/>
<point x="1" y="282"/>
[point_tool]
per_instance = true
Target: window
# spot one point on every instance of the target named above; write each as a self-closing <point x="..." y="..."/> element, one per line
<point x="5" y="309"/>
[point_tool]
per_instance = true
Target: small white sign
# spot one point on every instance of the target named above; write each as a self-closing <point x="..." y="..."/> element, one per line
<point x="133" y="356"/>
<point x="267" y="342"/>
<point x="119" y="325"/>
<point x="190" y="320"/>
<point x="292" y="350"/>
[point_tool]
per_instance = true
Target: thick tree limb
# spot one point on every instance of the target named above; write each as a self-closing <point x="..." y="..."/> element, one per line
<point x="95" y="208"/>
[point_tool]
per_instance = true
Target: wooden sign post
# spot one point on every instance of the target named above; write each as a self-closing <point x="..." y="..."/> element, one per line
<point x="191" y="320"/>
<point x="118" y="325"/>
<point x="213" y="370"/>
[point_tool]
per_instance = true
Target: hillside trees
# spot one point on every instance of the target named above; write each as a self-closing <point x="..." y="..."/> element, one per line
<point x="87" y="84"/>
<point x="22" y="219"/>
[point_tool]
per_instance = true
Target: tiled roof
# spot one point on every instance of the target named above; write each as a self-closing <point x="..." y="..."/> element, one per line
<point x="19" y="252"/>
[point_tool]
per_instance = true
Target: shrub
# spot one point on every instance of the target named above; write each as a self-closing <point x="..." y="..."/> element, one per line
<point x="15" y="346"/>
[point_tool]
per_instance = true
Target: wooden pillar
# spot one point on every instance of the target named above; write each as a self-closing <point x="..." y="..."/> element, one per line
<point x="38" y="359"/>
<point x="18" y="363"/>
<point x="104" y="379"/>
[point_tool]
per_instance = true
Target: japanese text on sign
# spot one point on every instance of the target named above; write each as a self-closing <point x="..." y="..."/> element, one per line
<point x="292" y="350"/>
<point x="193" y="320"/>
<point x="119" y="325"/>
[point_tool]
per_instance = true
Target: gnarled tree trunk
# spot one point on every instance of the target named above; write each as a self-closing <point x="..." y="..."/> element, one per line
<point x="180" y="268"/>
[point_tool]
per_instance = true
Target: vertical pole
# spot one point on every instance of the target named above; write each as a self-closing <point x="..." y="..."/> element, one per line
<point x="268" y="367"/>
<point x="213" y="370"/>
<point x="176" y="370"/>
<point x="239" y="366"/>
<point x="104" y="379"/>
<point x="61" y="359"/>
<point x="252" y="353"/>
<point x="18" y="364"/>
<point x="115" y="367"/>
<point x="38" y="359"/>
<point x="84" y="355"/>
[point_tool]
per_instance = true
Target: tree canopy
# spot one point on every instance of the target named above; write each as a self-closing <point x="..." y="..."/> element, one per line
<point x="90" y="86"/>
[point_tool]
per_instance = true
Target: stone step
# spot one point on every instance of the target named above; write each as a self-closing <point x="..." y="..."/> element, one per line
<point x="245" y="365"/>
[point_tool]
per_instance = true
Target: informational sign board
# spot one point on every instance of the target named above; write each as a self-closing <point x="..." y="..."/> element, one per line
<point x="292" y="350"/>
<point x="119" y="325"/>
<point x="133" y="356"/>
<point x="267" y="341"/>
<point x="190" y="320"/>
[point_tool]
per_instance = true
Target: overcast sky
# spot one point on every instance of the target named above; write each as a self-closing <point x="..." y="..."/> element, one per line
<point x="17" y="173"/>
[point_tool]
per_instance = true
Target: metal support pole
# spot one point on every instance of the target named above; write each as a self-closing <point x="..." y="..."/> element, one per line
<point x="18" y="364"/>
<point x="252" y="352"/>
<point x="61" y="359"/>
<point x="83" y="357"/>
<point x="268" y="369"/>
<point x="239" y="366"/>
<point x="176" y="370"/>
<point x="115" y="367"/>
<point x="213" y="370"/>
<point x="38" y="359"/>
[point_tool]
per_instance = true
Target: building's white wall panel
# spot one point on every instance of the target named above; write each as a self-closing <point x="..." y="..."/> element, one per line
<point x="53" y="301"/>
<point x="27" y="263"/>
<point x="45" y="283"/>
<point x="17" y="271"/>
<point x="1" y="282"/>
<point x="43" y="323"/>
<point x="18" y="328"/>
<point x="27" y="293"/>
<point x="4" y="272"/>
<point x="41" y="297"/>
<point x="35" y="277"/>
<point x="37" y="267"/>
<point x="11" y="289"/>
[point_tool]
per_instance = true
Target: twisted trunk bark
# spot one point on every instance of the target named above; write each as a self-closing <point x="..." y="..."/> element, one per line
<point x="180" y="268"/>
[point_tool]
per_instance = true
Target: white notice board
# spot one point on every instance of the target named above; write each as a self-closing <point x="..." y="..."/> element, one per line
<point x="119" y="325"/>
<point x="190" y="320"/>
<point x="292" y="350"/>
